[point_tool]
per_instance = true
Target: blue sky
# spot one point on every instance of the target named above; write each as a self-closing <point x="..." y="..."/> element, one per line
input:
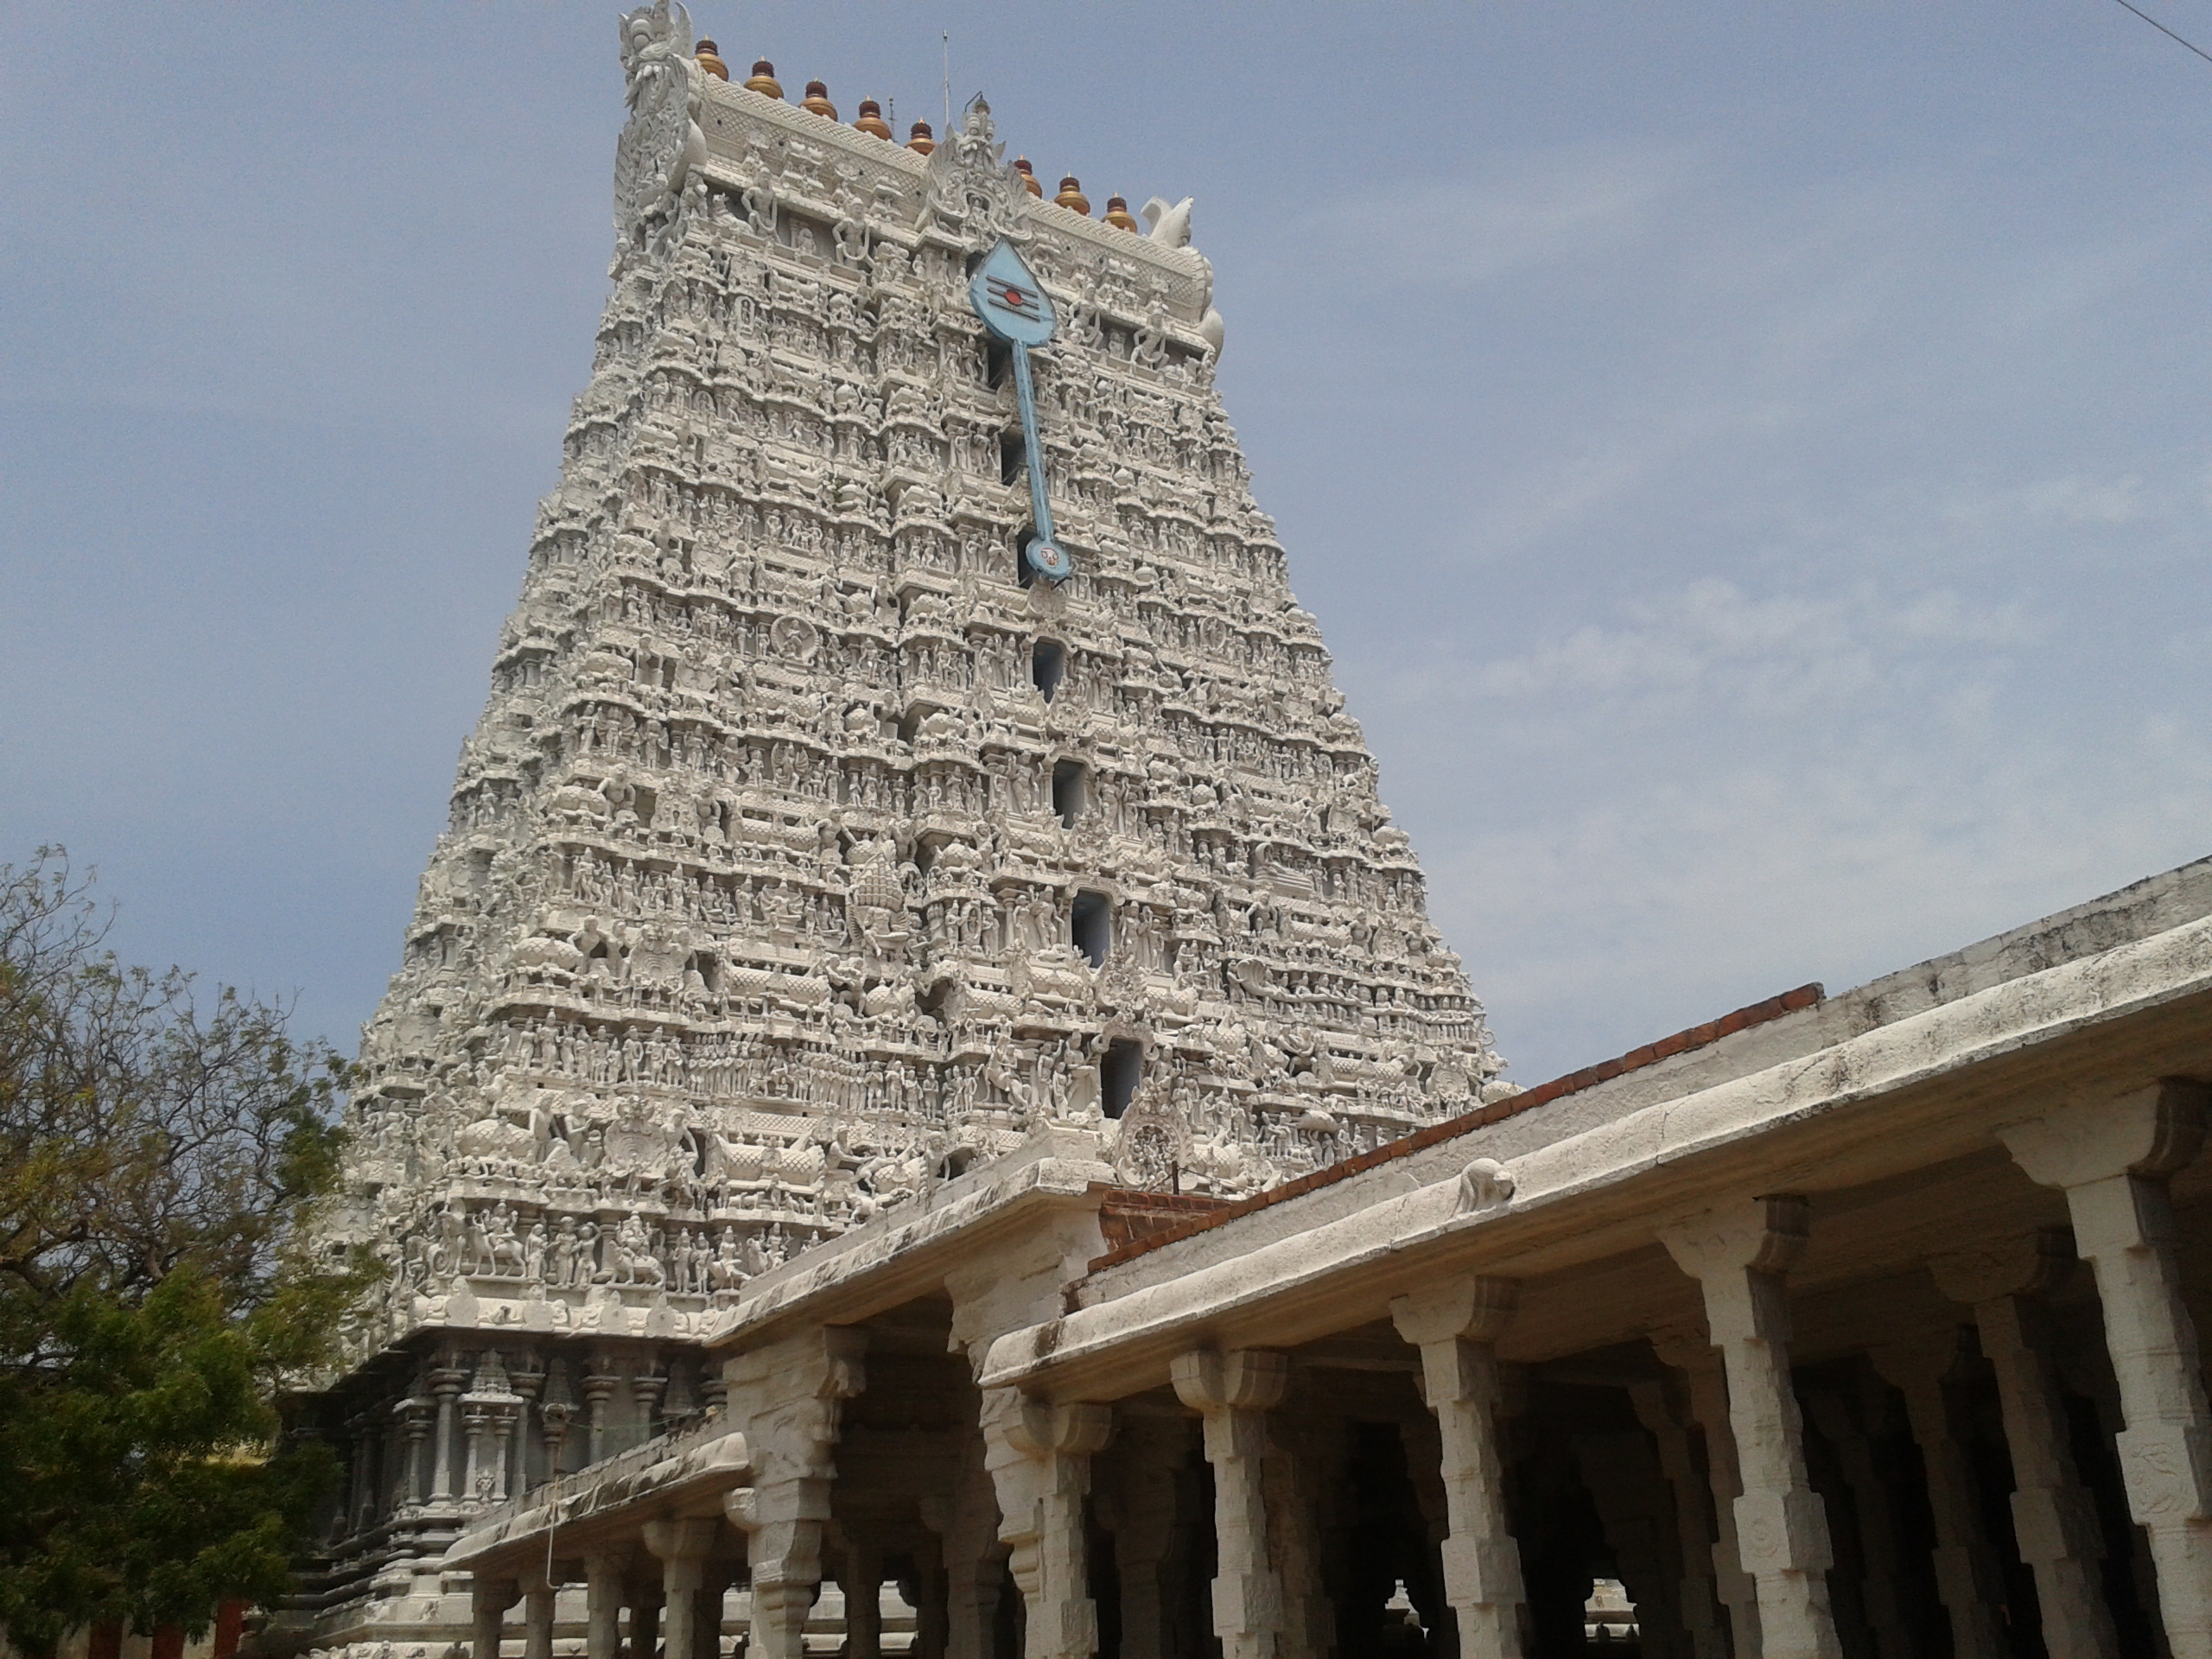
<point x="1752" y="464"/>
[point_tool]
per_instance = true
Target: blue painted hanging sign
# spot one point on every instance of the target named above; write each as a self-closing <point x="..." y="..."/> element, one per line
<point x="1015" y="307"/>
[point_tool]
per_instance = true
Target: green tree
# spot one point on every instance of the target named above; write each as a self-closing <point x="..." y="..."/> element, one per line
<point x="160" y="1155"/>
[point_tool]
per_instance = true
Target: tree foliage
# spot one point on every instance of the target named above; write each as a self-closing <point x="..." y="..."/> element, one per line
<point x="161" y="1156"/>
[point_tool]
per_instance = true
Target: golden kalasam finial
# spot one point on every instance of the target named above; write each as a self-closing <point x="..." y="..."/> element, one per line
<point x="920" y="140"/>
<point x="1071" y="196"/>
<point x="764" y="80"/>
<point x="1118" y="215"/>
<point x="818" y="100"/>
<point x="1028" y="178"/>
<point x="711" y="61"/>
<point x="870" y="120"/>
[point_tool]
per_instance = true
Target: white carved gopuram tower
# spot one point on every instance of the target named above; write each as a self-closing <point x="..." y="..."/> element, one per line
<point x="812" y="848"/>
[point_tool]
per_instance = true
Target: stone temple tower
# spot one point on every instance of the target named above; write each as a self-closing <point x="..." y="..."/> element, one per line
<point x="814" y="846"/>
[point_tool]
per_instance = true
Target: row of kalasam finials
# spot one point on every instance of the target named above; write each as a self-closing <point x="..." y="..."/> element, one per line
<point x="921" y="140"/>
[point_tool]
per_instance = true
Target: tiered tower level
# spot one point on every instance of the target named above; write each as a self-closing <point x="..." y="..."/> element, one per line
<point x="806" y="855"/>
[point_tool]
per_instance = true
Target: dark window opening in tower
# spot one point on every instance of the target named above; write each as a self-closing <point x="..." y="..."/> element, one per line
<point x="1022" y="573"/>
<point x="1090" y="925"/>
<point x="1119" y="1074"/>
<point x="1071" y="790"/>
<point x="1048" y="663"/>
<point x="998" y="363"/>
<point x="1012" y="456"/>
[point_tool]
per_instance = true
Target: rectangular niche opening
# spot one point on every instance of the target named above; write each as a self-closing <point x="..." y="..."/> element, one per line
<point x="1090" y="922"/>
<point x="1119" y="1074"/>
<point x="1071" y="789"/>
<point x="1048" y="665"/>
<point x="1013" y="455"/>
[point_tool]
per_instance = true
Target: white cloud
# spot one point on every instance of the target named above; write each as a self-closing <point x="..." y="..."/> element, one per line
<point x="1710" y="649"/>
<point x="2072" y="498"/>
<point x="1521" y="211"/>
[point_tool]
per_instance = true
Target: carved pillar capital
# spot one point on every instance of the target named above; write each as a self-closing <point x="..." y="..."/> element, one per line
<point x="1762" y="1234"/>
<point x="1039" y="1428"/>
<point x="1470" y="1306"/>
<point x="2152" y="1131"/>
<point x="1244" y="1379"/>
<point x="686" y="1540"/>
<point x="2027" y="1264"/>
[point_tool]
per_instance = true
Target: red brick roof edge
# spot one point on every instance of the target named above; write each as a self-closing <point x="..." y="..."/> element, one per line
<point x="1757" y="1014"/>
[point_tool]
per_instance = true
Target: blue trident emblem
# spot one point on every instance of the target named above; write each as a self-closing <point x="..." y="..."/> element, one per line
<point x="1014" y="307"/>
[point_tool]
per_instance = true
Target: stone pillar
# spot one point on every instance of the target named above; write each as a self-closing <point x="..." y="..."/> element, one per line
<point x="1326" y="1461"/>
<point x="538" y="1620"/>
<point x="360" y="1484"/>
<point x="1967" y="1576"/>
<point x="446" y="1384"/>
<point x="861" y="1578"/>
<point x="1456" y="1326"/>
<point x="1309" y="1619"/>
<point x="489" y="1600"/>
<point x="784" y="1397"/>
<point x="526" y="1385"/>
<point x="1637" y="1513"/>
<point x="1151" y="1451"/>
<point x="554" y="1418"/>
<point x="599" y="1388"/>
<point x="603" y="1590"/>
<point x="646" y="1389"/>
<point x="1038" y="1455"/>
<point x="1702" y="1629"/>
<point x="992" y="1293"/>
<point x="1705" y="1383"/>
<point x="1233" y="1392"/>
<point x="928" y="1597"/>
<point x="683" y="1547"/>
<point x="714" y="1390"/>
<point x="644" y="1620"/>
<point x="401" y="1480"/>
<point x="2113" y="1159"/>
<point x="2054" y="1515"/>
<point x="1737" y="1254"/>
<point x="416" y="1415"/>
<point x="713" y="1602"/>
<point x="1838" y="1417"/>
<point x="967" y="1519"/>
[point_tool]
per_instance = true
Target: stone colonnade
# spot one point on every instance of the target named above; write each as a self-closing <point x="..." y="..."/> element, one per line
<point x="1754" y="1579"/>
<point x="1065" y="1529"/>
